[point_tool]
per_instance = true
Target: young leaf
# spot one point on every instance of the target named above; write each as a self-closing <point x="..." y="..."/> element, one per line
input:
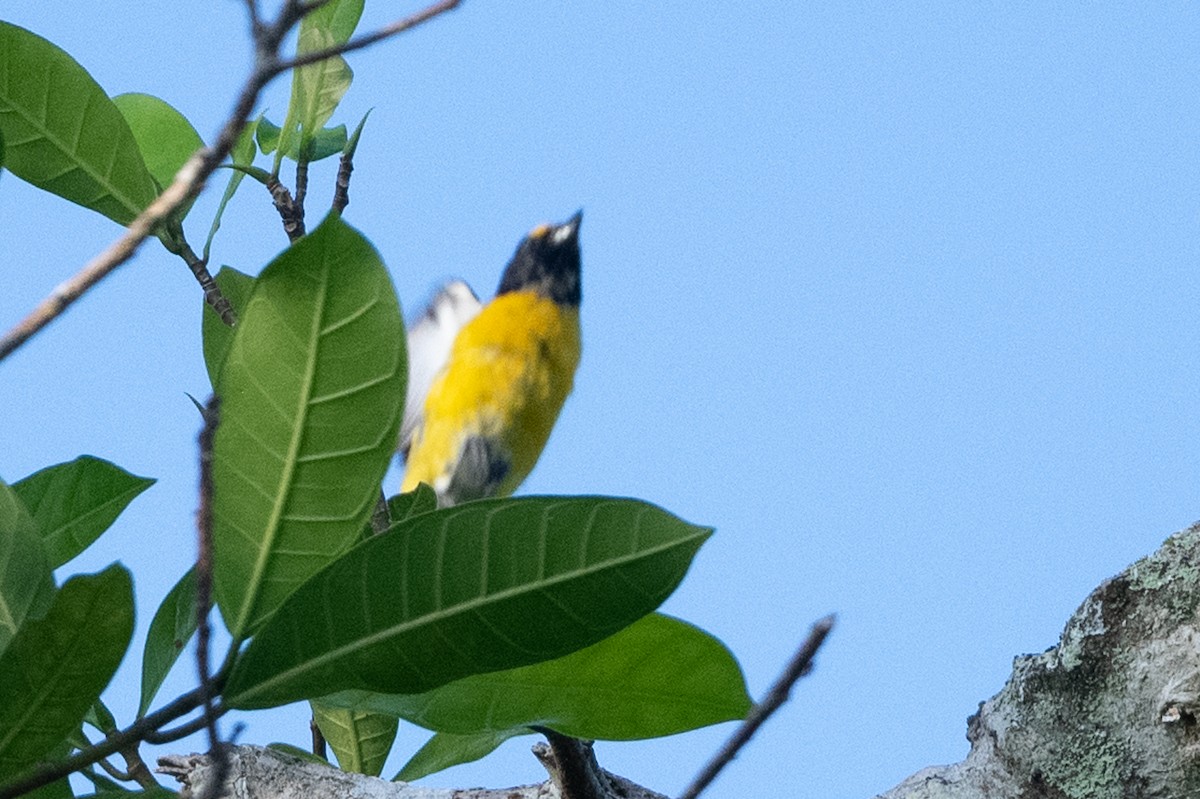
<point x="167" y="140"/>
<point x="321" y="144"/>
<point x="480" y="587"/>
<point x="312" y="390"/>
<point x="100" y="717"/>
<point x="73" y="503"/>
<point x="360" y="739"/>
<point x="173" y="625"/>
<point x="445" y="749"/>
<point x="63" y="133"/>
<point x="217" y="336"/>
<point x="659" y="676"/>
<point x="57" y="666"/>
<point x="318" y="88"/>
<point x="242" y="155"/>
<point x="26" y="583"/>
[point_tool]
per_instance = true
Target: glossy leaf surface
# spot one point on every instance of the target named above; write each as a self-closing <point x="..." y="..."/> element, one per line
<point x="480" y="587"/>
<point x="312" y="388"/>
<point x="26" y="582"/>
<point x="170" y="630"/>
<point x="361" y="740"/>
<point x="659" y="676"/>
<point x="74" y="502"/>
<point x="56" y="667"/>
<point x="445" y="749"/>
<point x="62" y="132"/>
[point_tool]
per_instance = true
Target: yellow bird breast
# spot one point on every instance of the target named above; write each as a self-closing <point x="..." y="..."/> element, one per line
<point x="509" y="372"/>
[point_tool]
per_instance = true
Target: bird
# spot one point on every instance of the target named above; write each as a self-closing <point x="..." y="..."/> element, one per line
<point x="497" y="373"/>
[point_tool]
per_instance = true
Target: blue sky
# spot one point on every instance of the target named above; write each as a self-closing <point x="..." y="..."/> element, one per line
<point x="901" y="299"/>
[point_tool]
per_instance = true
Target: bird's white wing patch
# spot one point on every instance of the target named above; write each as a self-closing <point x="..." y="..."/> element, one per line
<point x="429" y="341"/>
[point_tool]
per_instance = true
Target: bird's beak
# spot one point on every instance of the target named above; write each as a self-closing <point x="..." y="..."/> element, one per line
<point x="568" y="230"/>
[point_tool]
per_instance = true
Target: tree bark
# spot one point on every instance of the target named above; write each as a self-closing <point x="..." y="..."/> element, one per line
<point x="258" y="773"/>
<point x="1111" y="711"/>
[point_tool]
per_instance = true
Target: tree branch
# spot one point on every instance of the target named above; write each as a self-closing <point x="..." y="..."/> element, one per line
<point x="190" y="179"/>
<point x="1108" y="713"/>
<point x="258" y="773"/>
<point x="115" y="742"/>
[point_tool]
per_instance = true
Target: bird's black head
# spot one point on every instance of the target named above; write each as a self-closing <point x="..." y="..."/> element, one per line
<point x="547" y="261"/>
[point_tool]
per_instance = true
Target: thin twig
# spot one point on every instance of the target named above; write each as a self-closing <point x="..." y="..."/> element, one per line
<point x="204" y="562"/>
<point x="136" y="768"/>
<point x="159" y="737"/>
<point x="341" y="190"/>
<point x="114" y="772"/>
<point x="191" y="177"/>
<point x="46" y="774"/>
<point x="799" y="665"/>
<point x="290" y="212"/>
<point x="301" y="184"/>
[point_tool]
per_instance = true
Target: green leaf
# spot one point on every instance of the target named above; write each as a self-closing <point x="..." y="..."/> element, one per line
<point x="242" y="154"/>
<point x="296" y="751"/>
<point x="217" y="336"/>
<point x="480" y="587"/>
<point x="26" y="582"/>
<point x="59" y="789"/>
<point x="352" y="143"/>
<point x="659" y="676"/>
<point x="173" y="625"/>
<point x="56" y="667"/>
<point x="445" y="749"/>
<point x="361" y="740"/>
<point x="100" y="717"/>
<point x="421" y="499"/>
<point x="167" y="140"/>
<point x="322" y="144"/>
<point x="73" y="503"/>
<point x="318" y="88"/>
<point x="312" y="388"/>
<point x="339" y="18"/>
<point x="63" y="134"/>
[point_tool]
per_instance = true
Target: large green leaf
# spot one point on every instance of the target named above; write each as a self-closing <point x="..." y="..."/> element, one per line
<point x="361" y="740"/>
<point x="659" y="676"/>
<point x="73" y="503"/>
<point x="479" y="587"/>
<point x="445" y="749"/>
<point x="26" y="583"/>
<point x="59" y="789"/>
<point x="57" y="666"/>
<point x="172" y="626"/>
<point x="63" y="133"/>
<point x="218" y="336"/>
<point x="312" y="390"/>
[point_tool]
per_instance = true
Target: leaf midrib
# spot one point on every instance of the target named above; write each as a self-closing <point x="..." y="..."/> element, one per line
<point x="464" y="607"/>
<point x="101" y="180"/>
<point x="291" y="463"/>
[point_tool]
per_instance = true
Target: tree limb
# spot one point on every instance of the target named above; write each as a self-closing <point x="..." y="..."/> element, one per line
<point x="1109" y="713"/>
<point x="258" y="773"/>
